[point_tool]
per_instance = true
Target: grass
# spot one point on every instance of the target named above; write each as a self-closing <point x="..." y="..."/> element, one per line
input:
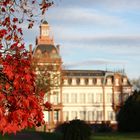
<point x="116" y="136"/>
<point x="96" y="136"/>
<point x="4" y="137"/>
<point x="51" y="136"/>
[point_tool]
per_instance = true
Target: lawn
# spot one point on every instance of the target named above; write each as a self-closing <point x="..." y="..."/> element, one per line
<point x="56" y="136"/>
<point x="116" y="136"/>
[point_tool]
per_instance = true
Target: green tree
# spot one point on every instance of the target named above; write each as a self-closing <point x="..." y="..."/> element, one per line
<point x="129" y="115"/>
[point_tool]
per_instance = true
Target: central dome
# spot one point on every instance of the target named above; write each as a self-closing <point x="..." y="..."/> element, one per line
<point x="46" y="50"/>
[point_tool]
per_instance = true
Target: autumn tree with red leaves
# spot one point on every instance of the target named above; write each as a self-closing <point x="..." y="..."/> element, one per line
<point x="20" y="104"/>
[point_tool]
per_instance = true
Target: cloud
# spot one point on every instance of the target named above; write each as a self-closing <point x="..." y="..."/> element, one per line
<point x="114" y="5"/>
<point x="82" y="51"/>
<point x="83" y="16"/>
<point x="111" y="40"/>
<point x="119" y="4"/>
<point x="101" y="39"/>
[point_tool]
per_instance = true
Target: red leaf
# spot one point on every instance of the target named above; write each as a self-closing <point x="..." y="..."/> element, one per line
<point x="28" y="77"/>
<point x="3" y="32"/>
<point x="12" y="10"/>
<point x="20" y="31"/>
<point x="48" y="105"/>
<point x="9" y="37"/>
<point x="3" y="123"/>
<point x="3" y="9"/>
<point x="14" y="27"/>
<point x="1" y="46"/>
<point x="30" y="25"/>
<point x="13" y="46"/>
<point x="7" y="86"/>
<point x="15" y="20"/>
<point x="26" y="103"/>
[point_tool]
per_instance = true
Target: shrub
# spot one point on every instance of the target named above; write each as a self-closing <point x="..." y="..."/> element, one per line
<point x="61" y="128"/>
<point x="103" y="127"/>
<point x="75" y="130"/>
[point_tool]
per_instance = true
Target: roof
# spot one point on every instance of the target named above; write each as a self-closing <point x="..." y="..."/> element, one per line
<point x="49" y="48"/>
<point x="84" y="73"/>
<point x="46" y="48"/>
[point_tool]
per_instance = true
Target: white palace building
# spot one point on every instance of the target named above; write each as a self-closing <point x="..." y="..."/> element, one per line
<point x="91" y="95"/>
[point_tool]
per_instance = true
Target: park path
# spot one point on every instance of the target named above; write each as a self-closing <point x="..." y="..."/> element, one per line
<point x="26" y="136"/>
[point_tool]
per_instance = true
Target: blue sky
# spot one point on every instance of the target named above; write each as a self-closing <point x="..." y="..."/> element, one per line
<point x="95" y="34"/>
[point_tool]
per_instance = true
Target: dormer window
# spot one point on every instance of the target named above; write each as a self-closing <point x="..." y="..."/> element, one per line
<point x="94" y="81"/>
<point x="78" y="81"/>
<point x="124" y="81"/>
<point x="86" y="81"/>
<point x="98" y="81"/>
<point x="53" y="51"/>
<point x="69" y="81"/>
<point x="109" y="81"/>
<point x="117" y="82"/>
<point x="38" y="51"/>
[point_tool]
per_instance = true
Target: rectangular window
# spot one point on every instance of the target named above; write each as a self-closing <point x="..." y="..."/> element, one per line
<point x="90" y="98"/>
<point x="117" y="98"/>
<point x="55" y="99"/>
<point x="66" y="115"/>
<point x="82" y="115"/>
<point x="109" y="98"/>
<point x="65" y="98"/>
<point x="45" y="98"/>
<point x="82" y="98"/>
<point x="111" y="115"/>
<point x="46" y="116"/>
<point x="90" y="115"/>
<point x="73" y="98"/>
<point x="74" y="114"/>
<point x="99" y="98"/>
<point x="99" y="115"/>
<point x="56" y="116"/>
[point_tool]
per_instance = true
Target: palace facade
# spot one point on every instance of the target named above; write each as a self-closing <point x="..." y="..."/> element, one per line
<point x="91" y="95"/>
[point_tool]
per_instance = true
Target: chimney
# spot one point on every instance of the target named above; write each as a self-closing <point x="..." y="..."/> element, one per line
<point x="30" y="49"/>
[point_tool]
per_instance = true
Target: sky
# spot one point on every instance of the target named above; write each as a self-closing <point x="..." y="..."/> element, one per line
<point x="95" y="34"/>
